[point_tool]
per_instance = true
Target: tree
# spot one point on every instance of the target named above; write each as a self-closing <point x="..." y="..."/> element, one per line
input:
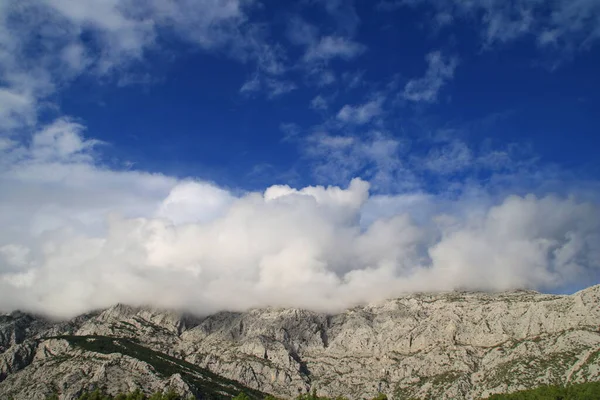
<point x="241" y="396"/>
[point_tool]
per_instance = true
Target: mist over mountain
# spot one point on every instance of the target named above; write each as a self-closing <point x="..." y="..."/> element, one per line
<point x="320" y="248"/>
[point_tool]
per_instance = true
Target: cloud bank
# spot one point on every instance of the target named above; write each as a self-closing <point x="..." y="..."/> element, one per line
<point x="78" y="236"/>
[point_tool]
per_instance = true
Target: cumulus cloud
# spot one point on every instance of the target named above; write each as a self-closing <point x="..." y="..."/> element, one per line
<point x="77" y="236"/>
<point x="440" y="69"/>
<point x="54" y="181"/>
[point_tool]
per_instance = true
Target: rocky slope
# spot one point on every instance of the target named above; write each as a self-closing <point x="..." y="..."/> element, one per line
<point x="442" y="346"/>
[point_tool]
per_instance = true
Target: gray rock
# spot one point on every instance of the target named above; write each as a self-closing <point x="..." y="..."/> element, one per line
<point x="443" y="346"/>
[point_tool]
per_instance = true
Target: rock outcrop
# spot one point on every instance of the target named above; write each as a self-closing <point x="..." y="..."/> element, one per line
<point x="444" y="346"/>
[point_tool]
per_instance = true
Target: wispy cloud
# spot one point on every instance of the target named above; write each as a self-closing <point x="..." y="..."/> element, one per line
<point x="329" y="47"/>
<point x="105" y="38"/>
<point x="352" y="80"/>
<point x="323" y="77"/>
<point x="373" y="155"/>
<point x="362" y="113"/>
<point x="440" y="69"/>
<point x="279" y="87"/>
<point x="252" y="85"/>
<point x="321" y="48"/>
<point x="344" y="13"/>
<point x="449" y="159"/>
<point x="563" y="24"/>
<point x="336" y="150"/>
<point x="319" y="103"/>
<point x="290" y="130"/>
<point x="301" y="33"/>
<point x="272" y="86"/>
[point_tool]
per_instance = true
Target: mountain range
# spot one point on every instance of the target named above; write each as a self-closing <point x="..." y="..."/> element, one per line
<point x="425" y="345"/>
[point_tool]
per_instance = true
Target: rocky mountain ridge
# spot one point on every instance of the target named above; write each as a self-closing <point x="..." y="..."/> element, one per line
<point x="445" y="345"/>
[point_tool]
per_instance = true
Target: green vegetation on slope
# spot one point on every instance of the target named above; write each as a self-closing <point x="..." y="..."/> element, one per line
<point x="205" y="382"/>
<point x="136" y="395"/>
<point x="581" y="391"/>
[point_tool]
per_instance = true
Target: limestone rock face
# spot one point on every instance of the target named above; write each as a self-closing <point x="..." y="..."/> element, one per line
<point x="443" y="346"/>
<point x="59" y="367"/>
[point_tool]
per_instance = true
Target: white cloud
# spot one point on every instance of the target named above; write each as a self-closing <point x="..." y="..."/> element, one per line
<point x="105" y="37"/>
<point x="251" y="85"/>
<point x="374" y="156"/>
<point x="344" y="14"/>
<point x="300" y="32"/>
<point x="61" y="141"/>
<point x="329" y="47"/>
<point x="353" y="80"/>
<point x="568" y="24"/>
<point x="126" y="29"/>
<point x="273" y="87"/>
<point x="278" y="87"/>
<point x="290" y="130"/>
<point x="192" y="201"/>
<point x="520" y="241"/>
<point x="324" y="77"/>
<point x="439" y="70"/>
<point x="77" y="236"/>
<point x="16" y="109"/>
<point x="361" y="114"/>
<point x="320" y="50"/>
<point x="448" y="159"/>
<point x="319" y="103"/>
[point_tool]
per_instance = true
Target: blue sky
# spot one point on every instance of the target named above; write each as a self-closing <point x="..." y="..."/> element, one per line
<point x="185" y="111"/>
<point x="453" y="120"/>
